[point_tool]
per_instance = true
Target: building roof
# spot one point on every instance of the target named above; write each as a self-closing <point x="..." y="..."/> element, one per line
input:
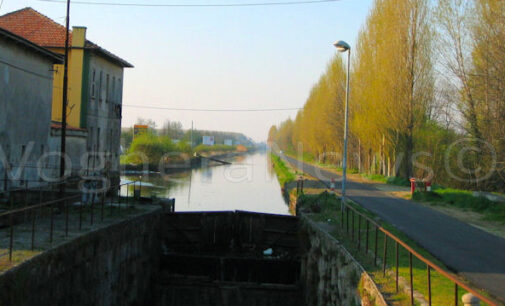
<point x="55" y="58"/>
<point x="45" y="32"/>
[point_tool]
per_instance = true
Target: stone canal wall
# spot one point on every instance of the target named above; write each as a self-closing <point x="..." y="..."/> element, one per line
<point x="329" y="273"/>
<point x="110" y="266"/>
<point x="171" y="259"/>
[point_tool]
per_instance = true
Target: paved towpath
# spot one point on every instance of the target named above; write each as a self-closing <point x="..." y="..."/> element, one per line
<point x="475" y="254"/>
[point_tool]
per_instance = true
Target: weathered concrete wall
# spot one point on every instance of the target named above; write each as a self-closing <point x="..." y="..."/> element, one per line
<point x="75" y="150"/>
<point x="25" y="108"/>
<point x="330" y="275"/>
<point x="111" y="266"/>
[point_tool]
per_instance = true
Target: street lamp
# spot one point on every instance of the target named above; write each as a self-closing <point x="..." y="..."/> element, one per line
<point x="342" y="46"/>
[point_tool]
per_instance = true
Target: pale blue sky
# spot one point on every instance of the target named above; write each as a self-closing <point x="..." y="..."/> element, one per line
<point x="219" y="58"/>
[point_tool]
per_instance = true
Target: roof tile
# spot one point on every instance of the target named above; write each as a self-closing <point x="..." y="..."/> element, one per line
<point x="45" y="32"/>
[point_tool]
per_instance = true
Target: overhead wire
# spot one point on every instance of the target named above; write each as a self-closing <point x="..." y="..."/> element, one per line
<point x="212" y="110"/>
<point x="303" y="2"/>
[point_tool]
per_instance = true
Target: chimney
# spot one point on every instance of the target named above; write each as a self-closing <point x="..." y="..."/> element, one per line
<point x="78" y="36"/>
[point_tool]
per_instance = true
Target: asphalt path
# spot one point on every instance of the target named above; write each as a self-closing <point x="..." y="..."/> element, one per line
<point x="471" y="252"/>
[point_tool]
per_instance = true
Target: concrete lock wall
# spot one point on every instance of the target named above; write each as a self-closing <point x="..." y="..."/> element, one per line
<point x="330" y="275"/>
<point x="111" y="266"/>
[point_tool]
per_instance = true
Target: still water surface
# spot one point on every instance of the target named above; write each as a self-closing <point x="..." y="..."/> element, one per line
<point x="248" y="184"/>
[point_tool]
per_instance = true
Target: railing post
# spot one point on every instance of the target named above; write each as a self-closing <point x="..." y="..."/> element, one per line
<point x="384" y="263"/>
<point x="376" y="241"/>
<point x="52" y="224"/>
<point x="11" y="239"/>
<point x="342" y="214"/>
<point x="456" y="298"/>
<point x="80" y="215"/>
<point x="34" y="211"/>
<point x="411" y="280"/>
<point x="347" y="220"/>
<point x="140" y="187"/>
<point x="92" y="210"/>
<point x="127" y="196"/>
<point x="429" y="284"/>
<point x="352" y="225"/>
<point x="65" y="203"/>
<point x="359" y="232"/>
<point x="119" y="200"/>
<point x="396" y="269"/>
<point x="103" y="204"/>
<point x="366" y="237"/>
<point x="111" y="198"/>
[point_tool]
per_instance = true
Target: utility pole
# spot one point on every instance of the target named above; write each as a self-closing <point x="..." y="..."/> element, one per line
<point x="64" y="104"/>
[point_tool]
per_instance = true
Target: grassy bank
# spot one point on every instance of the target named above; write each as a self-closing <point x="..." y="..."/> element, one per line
<point x="465" y="200"/>
<point x="215" y="148"/>
<point x="326" y="208"/>
<point x="284" y="174"/>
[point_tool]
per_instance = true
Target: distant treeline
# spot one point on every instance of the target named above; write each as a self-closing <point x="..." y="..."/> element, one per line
<point x="427" y="96"/>
<point x="174" y="131"/>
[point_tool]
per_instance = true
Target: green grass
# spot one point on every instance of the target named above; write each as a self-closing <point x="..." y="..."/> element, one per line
<point x="392" y="180"/>
<point x="284" y="174"/>
<point x="465" y="200"/>
<point x="442" y="288"/>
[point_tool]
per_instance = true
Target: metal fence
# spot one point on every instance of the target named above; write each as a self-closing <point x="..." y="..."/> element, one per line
<point x="366" y="226"/>
<point x="62" y="206"/>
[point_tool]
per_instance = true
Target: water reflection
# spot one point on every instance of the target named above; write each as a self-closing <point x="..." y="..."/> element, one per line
<point x="247" y="184"/>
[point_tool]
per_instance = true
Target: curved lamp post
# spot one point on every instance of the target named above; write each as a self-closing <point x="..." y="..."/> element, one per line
<point x="342" y="46"/>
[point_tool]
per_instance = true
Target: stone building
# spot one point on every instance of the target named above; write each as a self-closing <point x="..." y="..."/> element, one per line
<point x="95" y="90"/>
<point x="26" y="82"/>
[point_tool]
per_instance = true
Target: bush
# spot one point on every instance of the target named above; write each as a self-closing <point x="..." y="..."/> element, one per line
<point x="154" y="148"/>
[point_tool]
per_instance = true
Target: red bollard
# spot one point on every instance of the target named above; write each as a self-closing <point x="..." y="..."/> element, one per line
<point x="332" y="185"/>
<point x="412" y="185"/>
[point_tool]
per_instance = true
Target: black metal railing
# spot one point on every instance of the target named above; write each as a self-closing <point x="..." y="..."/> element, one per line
<point x="368" y="227"/>
<point x="60" y="206"/>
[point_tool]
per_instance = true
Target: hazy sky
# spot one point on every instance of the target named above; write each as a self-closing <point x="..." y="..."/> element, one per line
<point x="215" y="57"/>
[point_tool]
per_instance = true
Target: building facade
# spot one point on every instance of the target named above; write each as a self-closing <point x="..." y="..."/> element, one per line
<point x="26" y="82"/>
<point x="95" y="90"/>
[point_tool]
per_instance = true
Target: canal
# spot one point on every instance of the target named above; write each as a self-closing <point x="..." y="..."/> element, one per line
<point x="248" y="184"/>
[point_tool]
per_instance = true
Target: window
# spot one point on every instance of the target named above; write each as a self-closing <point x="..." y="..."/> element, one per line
<point x="119" y="91"/>
<point x="100" y="86"/>
<point x="113" y="94"/>
<point x="90" y="139"/>
<point x="98" y="139"/>
<point x="107" y="97"/>
<point x="23" y="149"/>
<point x="93" y="83"/>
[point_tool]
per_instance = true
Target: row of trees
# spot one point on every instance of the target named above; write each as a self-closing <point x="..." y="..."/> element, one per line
<point x="427" y="95"/>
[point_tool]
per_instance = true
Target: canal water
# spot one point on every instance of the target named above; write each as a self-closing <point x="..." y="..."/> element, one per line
<point x="248" y="183"/>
